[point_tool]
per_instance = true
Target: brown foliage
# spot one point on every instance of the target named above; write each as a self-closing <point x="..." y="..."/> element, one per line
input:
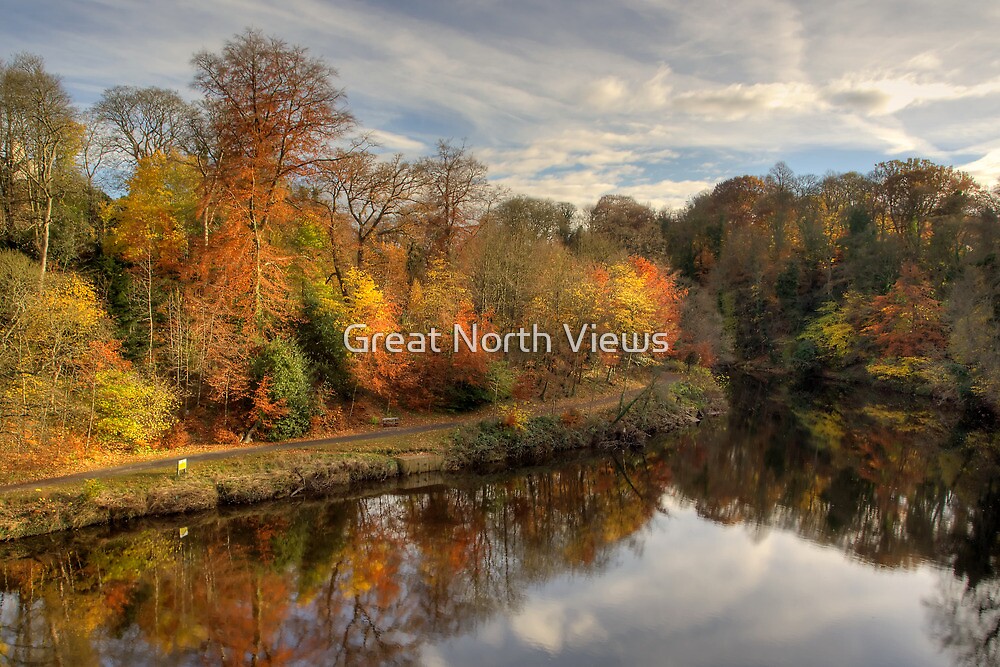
<point x="908" y="321"/>
<point x="273" y="112"/>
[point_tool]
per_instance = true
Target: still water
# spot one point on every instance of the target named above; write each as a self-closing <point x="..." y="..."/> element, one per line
<point x="835" y="531"/>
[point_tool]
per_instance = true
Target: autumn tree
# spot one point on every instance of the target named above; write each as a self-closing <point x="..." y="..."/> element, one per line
<point x="636" y="297"/>
<point x="908" y="320"/>
<point x="693" y="237"/>
<point x="702" y="339"/>
<point x="781" y="201"/>
<point x="130" y="409"/>
<point x="512" y="256"/>
<point x="39" y="136"/>
<point x="275" y="114"/>
<point x="566" y="293"/>
<point x="735" y="201"/>
<point x="665" y="293"/>
<point x="455" y="379"/>
<point x="48" y="335"/>
<point x="632" y="226"/>
<point x="379" y="370"/>
<point x="910" y="194"/>
<point x="541" y="219"/>
<point x="974" y="303"/>
<point x="149" y="224"/>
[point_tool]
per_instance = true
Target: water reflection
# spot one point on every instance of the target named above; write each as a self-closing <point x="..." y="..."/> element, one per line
<point x="633" y="556"/>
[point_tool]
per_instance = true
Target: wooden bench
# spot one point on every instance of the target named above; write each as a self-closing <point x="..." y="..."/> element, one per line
<point x="390" y="421"/>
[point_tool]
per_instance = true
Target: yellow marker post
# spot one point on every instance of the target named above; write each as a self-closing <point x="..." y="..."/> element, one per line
<point x="182" y="466"/>
<point x="183" y="532"/>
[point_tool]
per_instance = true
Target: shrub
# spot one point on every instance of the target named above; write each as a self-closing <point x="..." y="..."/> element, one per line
<point x="514" y="418"/>
<point x="285" y="368"/>
<point x="463" y="396"/>
<point x="516" y="438"/>
<point x="805" y="358"/>
<point x="571" y="417"/>
<point x="131" y="410"/>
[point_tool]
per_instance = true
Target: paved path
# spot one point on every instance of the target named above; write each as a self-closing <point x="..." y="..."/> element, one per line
<point x="171" y="462"/>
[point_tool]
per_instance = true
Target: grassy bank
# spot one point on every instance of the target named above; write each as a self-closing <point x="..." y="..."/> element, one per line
<point x="516" y="439"/>
<point x="512" y="439"/>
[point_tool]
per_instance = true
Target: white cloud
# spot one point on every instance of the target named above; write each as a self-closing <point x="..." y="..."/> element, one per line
<point x="889" y="94"/>
<point x="392" y="142"/>
<point x="986" y="169"/>
<point x="607" y="93"/>
<point x="738" y="101"/>
<point x="572" y="100"/>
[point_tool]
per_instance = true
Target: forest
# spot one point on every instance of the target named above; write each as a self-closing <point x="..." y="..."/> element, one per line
<point x="175" y="271"/>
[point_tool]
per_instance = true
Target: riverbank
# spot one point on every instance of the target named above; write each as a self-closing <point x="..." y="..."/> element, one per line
<point x="515" y="437"/>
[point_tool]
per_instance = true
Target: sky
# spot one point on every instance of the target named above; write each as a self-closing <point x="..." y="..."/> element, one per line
<point x="574" y="99"/>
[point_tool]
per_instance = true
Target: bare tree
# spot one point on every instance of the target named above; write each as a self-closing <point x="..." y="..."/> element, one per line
<point x="11" y="152"/>
<point x="373" y="193"/>
<point x="93" y="158"/>
<point x="203" y="145"/>
<point x="457" y="194"/>
<point x="628" y="224"/>
<point x="143" y="121"/>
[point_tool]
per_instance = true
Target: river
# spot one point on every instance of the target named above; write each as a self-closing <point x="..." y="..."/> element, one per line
<point x="840" y="529"/>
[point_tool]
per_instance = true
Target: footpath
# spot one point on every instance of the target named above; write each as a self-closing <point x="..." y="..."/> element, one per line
<point x="169" y="463"/>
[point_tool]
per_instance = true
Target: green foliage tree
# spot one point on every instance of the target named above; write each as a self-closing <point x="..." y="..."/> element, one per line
<point x="285" y="370"/>
<point x="321" y="337"/>
<point x="39" y="138"/>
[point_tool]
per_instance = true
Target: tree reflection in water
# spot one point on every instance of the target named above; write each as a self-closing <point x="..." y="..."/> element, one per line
<point x="371" y="580"/>
<point x="965" y="615"/>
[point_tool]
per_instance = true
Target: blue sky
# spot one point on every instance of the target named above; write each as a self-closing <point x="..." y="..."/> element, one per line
<point x="573" y="99"/>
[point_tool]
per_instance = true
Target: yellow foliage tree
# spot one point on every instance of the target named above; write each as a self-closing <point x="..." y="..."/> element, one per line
<point x="149" y="223"/>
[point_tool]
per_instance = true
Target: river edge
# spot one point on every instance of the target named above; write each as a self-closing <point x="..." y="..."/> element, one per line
<point x="491" y="444"/>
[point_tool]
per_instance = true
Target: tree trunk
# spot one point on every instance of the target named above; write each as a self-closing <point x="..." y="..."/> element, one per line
<point x="258" y="300"/>
<point x="149" y="304"/>
<point x="204" y="223"/>
<point x="46" y="225"/>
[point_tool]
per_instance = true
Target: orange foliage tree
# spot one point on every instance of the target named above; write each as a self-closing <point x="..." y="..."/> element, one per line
<point x="443" y="301"/>
<point x="275" y="114"/>
<point x="377" y="370"/>
<point x="908" y="321"/>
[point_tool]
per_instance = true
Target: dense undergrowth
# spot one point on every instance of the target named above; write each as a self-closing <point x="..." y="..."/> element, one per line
<point x="515" y="438"/>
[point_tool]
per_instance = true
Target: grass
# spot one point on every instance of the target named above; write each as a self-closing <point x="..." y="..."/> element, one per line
<point x="331" y="468"/>
<point x="658" y="409"/>
<point x="229" y="481"/>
